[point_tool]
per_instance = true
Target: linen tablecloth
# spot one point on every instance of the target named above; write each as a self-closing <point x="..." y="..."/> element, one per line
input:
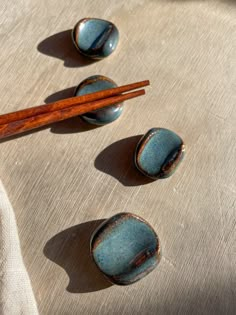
<point x="16" y="296"/>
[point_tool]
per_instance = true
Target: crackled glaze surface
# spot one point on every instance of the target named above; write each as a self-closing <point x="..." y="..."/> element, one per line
<point x="95" y="38"/>
<point x="125" y="248"/>
<point x="102" y="116"/>
<point x="158" y="153"/>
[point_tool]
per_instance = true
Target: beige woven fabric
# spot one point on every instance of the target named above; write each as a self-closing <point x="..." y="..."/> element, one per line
<point x="16" y="296"/>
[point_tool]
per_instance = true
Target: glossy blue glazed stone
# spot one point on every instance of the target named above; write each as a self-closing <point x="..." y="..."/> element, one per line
<point x="95" y="38"/>
<point x="158" y="153"/>
<point x="125" y="248"/>
<point x="105" y="115"/>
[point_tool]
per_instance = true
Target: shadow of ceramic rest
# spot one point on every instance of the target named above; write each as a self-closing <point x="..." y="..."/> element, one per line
<point x="61" y="46"/>
<point x="60" y="95"/>
<point x="72" y="125"/>
<point x="117" y="160"/>
<point x="142" y="159"/>
<point x="21" y="135"/>
<point x="70" y="249"/>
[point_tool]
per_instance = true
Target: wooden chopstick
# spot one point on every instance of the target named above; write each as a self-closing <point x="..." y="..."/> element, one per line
<point x="19" y="126"/>
<point x="41" y="109"/>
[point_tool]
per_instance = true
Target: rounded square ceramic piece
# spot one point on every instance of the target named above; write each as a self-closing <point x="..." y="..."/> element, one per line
<point x="158" y="153"/>
<point x="95" y="38"/>
<point x="101" y="116"/>
<point x="125" y="248"/>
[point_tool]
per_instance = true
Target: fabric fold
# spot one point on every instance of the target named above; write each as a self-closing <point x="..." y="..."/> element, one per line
<point x="16" y="295"/>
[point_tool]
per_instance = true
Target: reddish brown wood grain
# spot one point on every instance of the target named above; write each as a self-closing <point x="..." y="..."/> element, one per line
<point x="42" y="109"/>
<point x="19" y="126"/>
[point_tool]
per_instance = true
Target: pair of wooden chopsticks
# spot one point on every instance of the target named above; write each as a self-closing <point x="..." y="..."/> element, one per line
<point x="35" y="117"/>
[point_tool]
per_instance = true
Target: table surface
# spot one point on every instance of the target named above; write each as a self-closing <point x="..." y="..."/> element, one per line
<point x="64" y="179"/>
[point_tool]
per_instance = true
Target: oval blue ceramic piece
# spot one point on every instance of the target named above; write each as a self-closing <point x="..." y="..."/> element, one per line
<point x="105" y="115"/>
<point x="158" y="153"/>
<point x="95" y="38"/>
<point x="125" y="248"/>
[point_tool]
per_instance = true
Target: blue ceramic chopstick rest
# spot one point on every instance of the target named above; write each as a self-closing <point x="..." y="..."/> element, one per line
<point x="95" y="38"/>
<point x="125" y="248"/>
<point x="158" y="153"/>
<point x="102" y="116"/>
